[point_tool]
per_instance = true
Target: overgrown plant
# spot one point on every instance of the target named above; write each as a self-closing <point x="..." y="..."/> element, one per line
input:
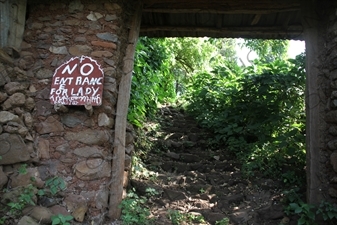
<point x="134" y="210"/>
<point x="61" y="219"/>
<point x="178" y="218"/>
<point x="258" y="112"/>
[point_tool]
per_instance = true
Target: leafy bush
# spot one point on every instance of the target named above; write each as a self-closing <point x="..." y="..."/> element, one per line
<point x="258" y="112"/>
<point x="152" y="83"/>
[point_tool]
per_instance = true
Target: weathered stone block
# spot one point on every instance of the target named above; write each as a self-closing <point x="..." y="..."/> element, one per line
<point x="12" y="149"/>
<point x="91" y="137"/>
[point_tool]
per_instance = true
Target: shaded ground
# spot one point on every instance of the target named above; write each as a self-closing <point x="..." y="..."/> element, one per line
<point x="195" y="180"/>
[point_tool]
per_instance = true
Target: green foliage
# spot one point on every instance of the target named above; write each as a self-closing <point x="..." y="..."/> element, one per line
<point x="134" y="210"/>
<point x="268" y="50"/>
<point x="61" y="219"/>
<point x="224" y="221"/>
<point x="15" y="207"/>
<point x="304" y="211"/>
<point x="152" y="83"/>
<point x="308" y="214"/>
<point x="55" y="184"/>
<point x="258" y="112"/>
<point x="178" y="218"/>
<point x="22" y="169"/>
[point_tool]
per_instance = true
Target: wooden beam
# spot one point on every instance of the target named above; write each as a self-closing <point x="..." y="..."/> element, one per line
<point x="295" y="30"/>
<point x="116" y="188"/>
<point x="221" y="11"/>
<point x="256" y="19"/>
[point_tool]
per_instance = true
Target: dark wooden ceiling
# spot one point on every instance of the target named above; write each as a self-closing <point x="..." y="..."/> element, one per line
<point x="267" y="19"/>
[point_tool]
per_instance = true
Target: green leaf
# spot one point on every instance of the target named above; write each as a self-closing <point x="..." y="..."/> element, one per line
<point x="56" y="221"/>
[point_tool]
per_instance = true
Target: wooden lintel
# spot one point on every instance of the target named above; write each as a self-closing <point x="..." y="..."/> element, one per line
<point x="220" y="11"/>
<point x="273" y="29"/>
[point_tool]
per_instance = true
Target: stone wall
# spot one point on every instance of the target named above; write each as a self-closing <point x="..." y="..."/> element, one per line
<point x="73" y="145"/>
<point x="328" y="70"/>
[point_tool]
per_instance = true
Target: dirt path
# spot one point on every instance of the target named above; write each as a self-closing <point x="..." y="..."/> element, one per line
<point x="195" y="180"/>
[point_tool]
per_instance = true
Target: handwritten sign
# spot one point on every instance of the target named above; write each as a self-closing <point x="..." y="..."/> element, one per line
<point x="77" y="82"/>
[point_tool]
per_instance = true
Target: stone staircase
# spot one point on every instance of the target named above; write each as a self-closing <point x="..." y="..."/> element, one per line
<point x="197" y="179"/>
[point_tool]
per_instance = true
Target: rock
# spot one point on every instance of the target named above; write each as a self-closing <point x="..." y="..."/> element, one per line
<point x="50" y="125"/>
<point x="44" y="73"/>
<point x="107" y="37"/>
<point x="129" y="138"/>
<point x="17" y="99"/>
<point x="112" y="7"/>
<point x="32" y="176"/>
<point x="39" y="213"/>
<point x="110" y="17"/>
<point x="79" y="50"/>
<point x="128" y="161"/>
<point x="92" y="169"/>
<point x="3" y="178"/>
<point x="27" y="220"/>
<point x="173" y="155"/>
<point x="333" y="160"/>
<point x="43" y="108"/>
<point x="6" y="117"/>
<point x="73" y="201"/>
<point x="129" y="149"/>
<point x="63" y="148"/>
<point x="105" y="121"/>
<point x="75" y="6"/>
<point x="240" y="217"/>
<point x="174" y="195"/>
<point x="104" y="44"/>
<point x="4" y="78"/>
<point x="13" y="149"/>
<point x="213" y="217"/>
<point x="13" y="195"/>
<point x="79" y="213"/>
<point x="13" y="87"/>
<point x="80" y="39"/>
<point x="46" y="201"/>
<point x="94" y="16"/>
<point x="90" y="137"/>
<point x="28" y="119"/>
<point x="78" y="118"/>
<point x="30" y="104"/>
<point x="101" y="198"/>
<point x="16" y="128"/>
<point x="72" y="22"/>
<point x="59" y="50"/>
<point x="110" y="62"/>
<point x="271" y="212"/>
<point x="57" y="209"/>
<point x="3" y="96"/>
<point x="43" y="149"/>
<point x="101" y="54"/>
<point x="87" y="152"/>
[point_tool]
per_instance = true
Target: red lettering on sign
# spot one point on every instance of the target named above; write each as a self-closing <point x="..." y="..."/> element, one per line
<point x="78" y="82"/>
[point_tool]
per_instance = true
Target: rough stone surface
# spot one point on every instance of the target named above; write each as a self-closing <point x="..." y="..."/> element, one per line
<point x="91" y="137"/>
<point x="39" y="213"/>
<point x="107" y="37"/>
<point x="105" y="121"/>
<point x="92" y="169"/>
<point x="24" y="179"/>
<point x="87" y="152"/>
<point x="50" y="125"/>
<point x="25" y="220"/>
<point x="6" y="117"/>
<point x="43" y="148"/>
<point x="13" y="149"/>
<point x="3" y="178"/>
